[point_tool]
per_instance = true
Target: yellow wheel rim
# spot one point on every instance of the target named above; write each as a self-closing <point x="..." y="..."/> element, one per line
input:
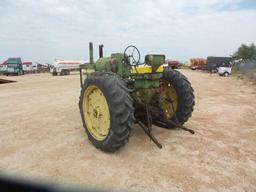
<point x="168" y="92"/>
<point x="96" y="112"/>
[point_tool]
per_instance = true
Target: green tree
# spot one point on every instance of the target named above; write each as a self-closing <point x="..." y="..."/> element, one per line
<point x="245" y="52"/>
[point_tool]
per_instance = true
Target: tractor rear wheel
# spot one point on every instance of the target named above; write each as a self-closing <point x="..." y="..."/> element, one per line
<point x="107" y="111"/>
<point x="178" y="98"/>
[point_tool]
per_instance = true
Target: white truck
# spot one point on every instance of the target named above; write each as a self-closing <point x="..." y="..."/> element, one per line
<point x="224" y="71"/>
<point x="63" y="67"/>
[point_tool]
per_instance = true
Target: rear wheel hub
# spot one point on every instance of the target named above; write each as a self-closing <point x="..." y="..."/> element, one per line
<point x="168" y="99"/>
<point x="96" y="113"/>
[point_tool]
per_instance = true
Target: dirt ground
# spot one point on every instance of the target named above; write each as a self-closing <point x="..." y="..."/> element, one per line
<point x="41" y="137"/>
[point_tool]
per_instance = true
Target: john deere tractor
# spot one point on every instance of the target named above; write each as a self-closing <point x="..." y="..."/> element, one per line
<point x="119" y="90"/>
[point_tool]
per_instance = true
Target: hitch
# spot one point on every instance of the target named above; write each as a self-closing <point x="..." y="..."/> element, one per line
<point x="148" y="129"/>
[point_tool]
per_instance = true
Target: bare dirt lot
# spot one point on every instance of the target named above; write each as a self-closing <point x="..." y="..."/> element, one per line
<point x="41" y="137"/>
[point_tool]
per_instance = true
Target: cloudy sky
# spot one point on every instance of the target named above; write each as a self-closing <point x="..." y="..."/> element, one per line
<point x="48" y="29"/>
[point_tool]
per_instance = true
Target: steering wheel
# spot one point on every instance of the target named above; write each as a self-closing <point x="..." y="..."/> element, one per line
<point x="132" y="55"/>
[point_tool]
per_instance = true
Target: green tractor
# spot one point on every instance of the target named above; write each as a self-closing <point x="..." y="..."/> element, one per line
<point x="118" y="91"/>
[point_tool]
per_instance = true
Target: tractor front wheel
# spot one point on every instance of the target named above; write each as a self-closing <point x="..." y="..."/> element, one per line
<point x="107" y="111"/>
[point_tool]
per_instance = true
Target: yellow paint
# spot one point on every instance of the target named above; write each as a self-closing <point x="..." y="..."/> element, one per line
<point x="96" y="112"/>
<point x="146" y="69"/>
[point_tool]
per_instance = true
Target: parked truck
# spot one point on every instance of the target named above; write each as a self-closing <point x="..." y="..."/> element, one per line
<point x="14" y="66"/>
<point x="63" y="67"/>
<point x="3" y="67"/>
<point x="27" y="66"/>
<point x="213" y="63"/>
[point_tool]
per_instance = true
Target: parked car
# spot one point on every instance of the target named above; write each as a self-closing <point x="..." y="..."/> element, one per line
<point x="224" y="71"/>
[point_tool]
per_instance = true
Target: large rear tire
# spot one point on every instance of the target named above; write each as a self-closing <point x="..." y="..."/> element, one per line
<point x="184" y="94"/>
<point x="107" y="111"/>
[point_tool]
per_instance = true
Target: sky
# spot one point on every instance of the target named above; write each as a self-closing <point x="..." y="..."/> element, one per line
<point x="61" y="29"/>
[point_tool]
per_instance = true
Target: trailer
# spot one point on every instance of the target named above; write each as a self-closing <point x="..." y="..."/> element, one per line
<point x="197" y="63"/>
<point x="63" y="67"/>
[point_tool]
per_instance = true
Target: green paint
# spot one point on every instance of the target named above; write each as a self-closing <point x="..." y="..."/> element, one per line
<point x="103" y="64"/>
<point x="144" y="85"/>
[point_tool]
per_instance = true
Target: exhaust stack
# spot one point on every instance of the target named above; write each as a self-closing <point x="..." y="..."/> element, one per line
<point x="101" y="51"/>
<point x="91" y="52"/>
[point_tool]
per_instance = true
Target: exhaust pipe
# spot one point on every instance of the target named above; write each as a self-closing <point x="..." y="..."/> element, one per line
<point x="91" y="52"/>
<point x="101" y="51"/>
